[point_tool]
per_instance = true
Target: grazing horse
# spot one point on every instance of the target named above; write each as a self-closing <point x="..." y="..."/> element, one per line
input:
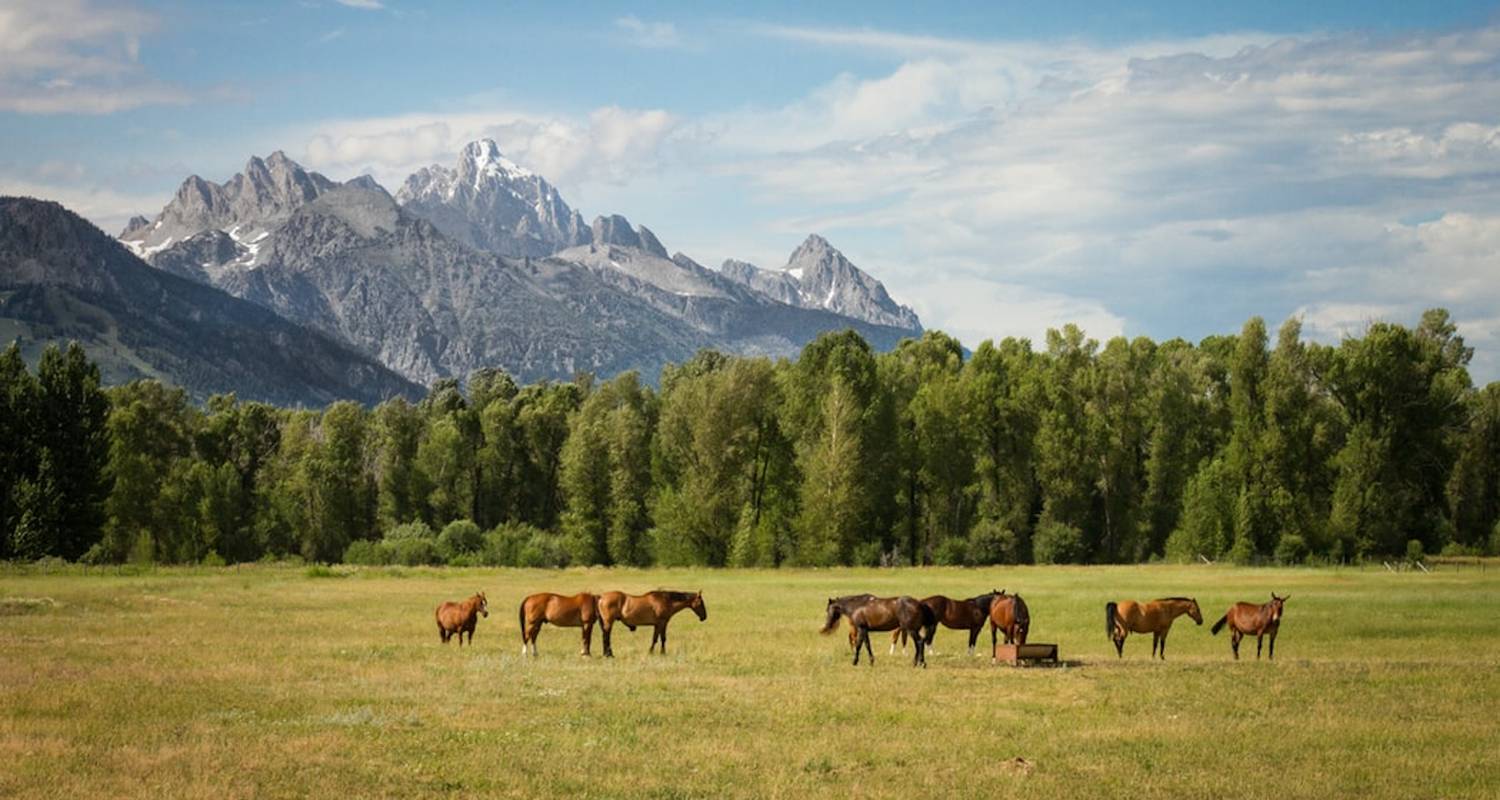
<point x="1008" y="613"/>
<point x="868" y="613"/>
<point x="959" y="615"/>
<point x="1248" y="618"/>
<point x="652" y="608"/>
<point x="578" y="611"/>
<point x="459" y="618"/>
<point x="1127" y="616"/>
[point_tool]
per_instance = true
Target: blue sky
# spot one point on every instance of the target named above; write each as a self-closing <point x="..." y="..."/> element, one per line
<point x="1165" y="171"/>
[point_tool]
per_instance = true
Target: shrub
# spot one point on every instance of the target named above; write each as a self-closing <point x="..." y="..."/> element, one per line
<point x="867" y="554"/>
<point x="415" y="529"/>
<point x="1057" y="543"/>
<point x="953" y="552"/>
<point x="503" y="544"/>
<point x="213" y="559"/>
<point x="543" y="550"/>
<point x="414" y="552"/>
<point x="990" y="542"/>
<point x="460" y="538"/>
<point x="1292" y="549"/>
<point x="366" y="552"/>
<point x="1414" y="550"/>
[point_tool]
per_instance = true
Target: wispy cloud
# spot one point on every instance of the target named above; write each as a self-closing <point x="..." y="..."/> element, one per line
<point x="654" y="35"/>
<point x="77" y="57"/>
<point x="336" y="33"/>
<point x="366" y="5"/>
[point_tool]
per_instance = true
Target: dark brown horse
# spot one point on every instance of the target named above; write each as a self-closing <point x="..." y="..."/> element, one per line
<point x="652" y="608"/>
<point x="868" y="613"/>
<point x="459" y="618"/>
<point x="959" y="615"/>
<point x="577" y="611"/>
<point x="1008" y="614"/>
<point x="1156" y="617"/>
<point x="1245" y="619"/>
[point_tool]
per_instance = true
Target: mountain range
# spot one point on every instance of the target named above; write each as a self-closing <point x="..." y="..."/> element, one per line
<point x="484" y="264"/>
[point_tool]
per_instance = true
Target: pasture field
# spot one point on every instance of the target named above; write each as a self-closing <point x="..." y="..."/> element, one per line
<point x="271" y="681"/>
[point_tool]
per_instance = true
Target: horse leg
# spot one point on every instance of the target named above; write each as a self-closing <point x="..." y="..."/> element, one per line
<point x="1259" y="640"/>
<point x="663" y="638"/>
<point x="921" y="656"/>
<point x="869" y="650"/>
<point x="859" y="642"/>
<point x="994" y="644"/>
<point x="1163" y="647"/>
<point x="588" y="637"/>
<point x="1272" y="655"/>
<point x="605" y="628"/>
<point x="899" y="634"/>
<point x="1119" y="640"/>
<point x="973" y="638"/>
<point x="1234" y="643"/>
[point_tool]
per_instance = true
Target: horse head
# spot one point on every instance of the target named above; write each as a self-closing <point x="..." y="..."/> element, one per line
<point x="698" y="607"/>
<point x="484" y="604"/>
<point x="1193" y="610"/>
<point x="1276" y="606"/>
<point x="834" y="610"/>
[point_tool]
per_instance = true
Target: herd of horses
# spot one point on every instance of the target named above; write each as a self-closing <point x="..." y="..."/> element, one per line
<point x="906" y="618"/>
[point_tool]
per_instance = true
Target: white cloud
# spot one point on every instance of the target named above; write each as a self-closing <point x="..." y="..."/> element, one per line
<point x="73" y="56"/>
<point x="366" y="5"/>
<point x="103" y="206"/>
<point x="651" y="35"/>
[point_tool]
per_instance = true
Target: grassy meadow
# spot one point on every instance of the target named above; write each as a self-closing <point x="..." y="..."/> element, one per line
<point x="278" y="681"/>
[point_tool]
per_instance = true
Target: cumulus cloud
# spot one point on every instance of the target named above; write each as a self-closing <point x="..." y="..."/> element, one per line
<point x="74" y="56"/>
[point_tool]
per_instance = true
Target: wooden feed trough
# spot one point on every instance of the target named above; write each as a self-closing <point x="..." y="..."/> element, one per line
<point x="1014" y="654"/>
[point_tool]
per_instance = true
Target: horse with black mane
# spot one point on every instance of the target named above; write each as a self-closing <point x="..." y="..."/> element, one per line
<point x="959" y="615"/>
<point x="1156" y="617"/>
<point x="1248" y="618"/>
<point x="1008" y="614"/>
<point x="577" y="611"/>
<point x="460" y="618"/>
<point x="652" y="608"/>
<point x="869" y="613"/>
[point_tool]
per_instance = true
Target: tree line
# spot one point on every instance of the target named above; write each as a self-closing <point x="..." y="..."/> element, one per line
<point x="1074" y="452"/>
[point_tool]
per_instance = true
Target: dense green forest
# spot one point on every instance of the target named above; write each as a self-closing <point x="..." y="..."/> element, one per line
<point x="1235" y="448"/>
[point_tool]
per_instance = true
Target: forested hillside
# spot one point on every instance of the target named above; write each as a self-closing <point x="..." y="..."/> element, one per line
<point x="1236" y="447"/>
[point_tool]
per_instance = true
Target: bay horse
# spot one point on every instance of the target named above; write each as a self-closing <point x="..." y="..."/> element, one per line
<point x="869" y="613"/>
<point x="652" y="608"/>
<point x="1156" y="617"/>
<point x="577" y="611"/>
<point x="1245" y="619"/>
<point x="460" y="618"/>
<point x="959" y="615"/>
<point x="1008" y="613"/>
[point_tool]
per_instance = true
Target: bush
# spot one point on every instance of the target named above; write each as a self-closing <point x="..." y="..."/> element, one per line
<point x="953" y="552"/>
<point x="503" y="544"/>
<point x="990" y="542"/>
<point x="365" y="552"/>
<point x="1456" y="550"/>
<point x="460" y="538"/>
<point x="414" y="552"/>
<point x="416" y="529"/>
<point x="1414" y="551"/>
<point x="1292" y="549"/>
<point x="1057" y="543"/>
<point x="213" y="559"/>
<point x="543" y="550"/>
<point x="867" y="554"/>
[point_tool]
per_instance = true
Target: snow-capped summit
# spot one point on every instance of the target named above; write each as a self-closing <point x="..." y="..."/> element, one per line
<point x="818" y="276"/>
<point x="491" y="203"/>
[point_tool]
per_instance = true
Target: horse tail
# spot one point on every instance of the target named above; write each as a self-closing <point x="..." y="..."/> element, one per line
<point x="521" y="618"/>
<point x="1109" y="618"/>
<point x="834" y="613"/>
<point x="1219" y="626"/>
<point x="930" y="622"/>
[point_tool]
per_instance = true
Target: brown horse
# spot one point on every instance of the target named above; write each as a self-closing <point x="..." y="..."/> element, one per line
<point x="578" y="611"/>
<point x="460" y="618"/>
<point x="652" y="608"/>
<point x="959" y="615"/>
<point x="1248" y="618"/>
<point x="1008" y="613"/>
<point x="1127" y="616"/>
<point x="868" y="613"/>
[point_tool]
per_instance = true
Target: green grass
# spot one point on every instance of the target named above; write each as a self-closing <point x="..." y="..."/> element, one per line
<point x="273" y="681"/>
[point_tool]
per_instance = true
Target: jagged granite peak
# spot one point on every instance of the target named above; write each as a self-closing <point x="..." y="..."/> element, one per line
<point x="61" y="278"/>
<point x="136" y="223"/>
<point x="615" y="229"/>
<point x="489" y="202"/>
<point x="822" y="277"/>
<point x="650" y="243"/>
<point x="246" y="206"/>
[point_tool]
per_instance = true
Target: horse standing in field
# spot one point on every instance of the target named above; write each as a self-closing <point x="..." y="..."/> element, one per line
<point x="959" y="615"/>
<point x="1156" y="617"/>
<point x="1245" y="619"/>
<point x="652" y="608"/>
<point x="1008" y="613"/>
<point x="460" y="618"/>
<point x="868" y="613"/>
<point x="577" y="611"/>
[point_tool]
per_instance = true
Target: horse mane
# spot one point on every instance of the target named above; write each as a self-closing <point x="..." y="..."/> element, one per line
<point x="1182" y="599"/>
<point x="677" y="597"/>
